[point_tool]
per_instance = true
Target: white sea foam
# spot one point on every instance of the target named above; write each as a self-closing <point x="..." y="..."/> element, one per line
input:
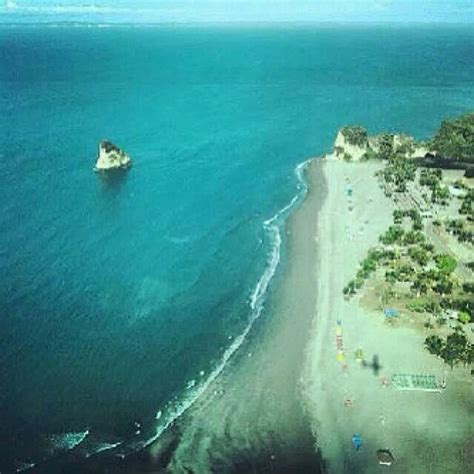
<point x="101" y="448"/>
<point x="68" y="441"/>
<point x="24" y="466"/>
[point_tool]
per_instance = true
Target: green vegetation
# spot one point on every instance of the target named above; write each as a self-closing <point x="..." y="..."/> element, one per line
<point x="399" y="172"/>
<point x="466" y="205"/>
<point x="406" y="147"/>
<point x="413" y="237"/>
<point x="413" y="214"/>
<point x="385" y="145"/>
<point x="459" y="303"/>
<point x="396" y="235"/>
<point x="432" y="178"/>
<point x="445" y="264"/>
<point x="440" y="194"/>
<point x="370" y="154"/>
<point x="355" y="135"/>
<point x="463" y="317"/>
<point x="393" y="235"/>
<point x="110" y="147"/>
<point x="419" y="255"/>
<point x="367" y="267"/>
<point x="455" y="139"/>
<point x="457" y="227"/>
<point x="455" y="349"/>
<point x="403" y="272"/>
<point x="418" y="281"/>
<point x="424" y="305"/>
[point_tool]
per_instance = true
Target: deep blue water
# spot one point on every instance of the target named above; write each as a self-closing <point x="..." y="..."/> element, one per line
<point x="116" y="293"/>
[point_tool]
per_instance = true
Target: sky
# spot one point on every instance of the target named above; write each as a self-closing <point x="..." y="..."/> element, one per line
<point x="157" y="11"/>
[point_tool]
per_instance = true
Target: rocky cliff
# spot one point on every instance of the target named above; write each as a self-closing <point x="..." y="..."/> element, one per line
<point x="354" y="144"/>
<point x="111" y="157"/>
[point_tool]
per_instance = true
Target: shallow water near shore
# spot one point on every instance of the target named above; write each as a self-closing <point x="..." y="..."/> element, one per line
<point x="122" y="298"/>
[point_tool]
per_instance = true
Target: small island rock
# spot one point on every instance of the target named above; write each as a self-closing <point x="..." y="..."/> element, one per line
<point x="111" y="157"/>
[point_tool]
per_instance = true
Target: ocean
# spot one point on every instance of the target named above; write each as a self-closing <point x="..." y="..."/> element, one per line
<point x="124" y="296"/>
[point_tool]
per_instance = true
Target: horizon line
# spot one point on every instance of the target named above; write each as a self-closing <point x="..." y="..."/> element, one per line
<point x="96" y="22"/>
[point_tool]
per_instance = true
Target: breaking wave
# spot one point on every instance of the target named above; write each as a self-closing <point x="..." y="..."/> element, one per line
<point x="67" y="441"/>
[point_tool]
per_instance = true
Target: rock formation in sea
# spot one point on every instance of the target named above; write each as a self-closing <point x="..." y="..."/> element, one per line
<point x="111" y="157"/>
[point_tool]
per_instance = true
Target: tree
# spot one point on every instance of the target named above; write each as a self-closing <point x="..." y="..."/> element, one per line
<point x="445" y="263"/>
<point x="456" y="348"/>
<point x="392" y="235"/>
<point x="419" y="255"/>
<point x="435" y="345"/>
<point x="413" y="237"/>
<point x="350" y="288"/>
<point x="444" y="285"/>
<point x="355" y="135"/>
<point x="463" y="317"/>
<point x="455" y="138"/>
<point x="421" y="283"/>
<point x="468" y="287"/>
<point x="385" y="143"/>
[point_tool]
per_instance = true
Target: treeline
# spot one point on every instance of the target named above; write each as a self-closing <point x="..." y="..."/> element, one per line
<point x="453" y="350"/>
<point x="451" y="147"/>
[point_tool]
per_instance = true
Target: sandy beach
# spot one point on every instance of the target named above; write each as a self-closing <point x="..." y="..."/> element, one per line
<point x="425" y="431"/>
<point x="286" y="402"/>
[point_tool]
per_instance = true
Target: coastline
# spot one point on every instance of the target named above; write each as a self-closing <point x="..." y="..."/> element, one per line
<point x="225" y="406"/>
<point x="251" y="418"/>
<point x="426" y="432"/>
<point x="278" y="405"/>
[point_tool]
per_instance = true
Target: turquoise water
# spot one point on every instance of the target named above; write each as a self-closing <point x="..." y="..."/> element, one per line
<point x="120" y="297"/>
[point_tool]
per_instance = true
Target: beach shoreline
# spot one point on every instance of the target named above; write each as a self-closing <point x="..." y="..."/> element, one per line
<point x="252" y="419"/>
<point x="426" y="432"/>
